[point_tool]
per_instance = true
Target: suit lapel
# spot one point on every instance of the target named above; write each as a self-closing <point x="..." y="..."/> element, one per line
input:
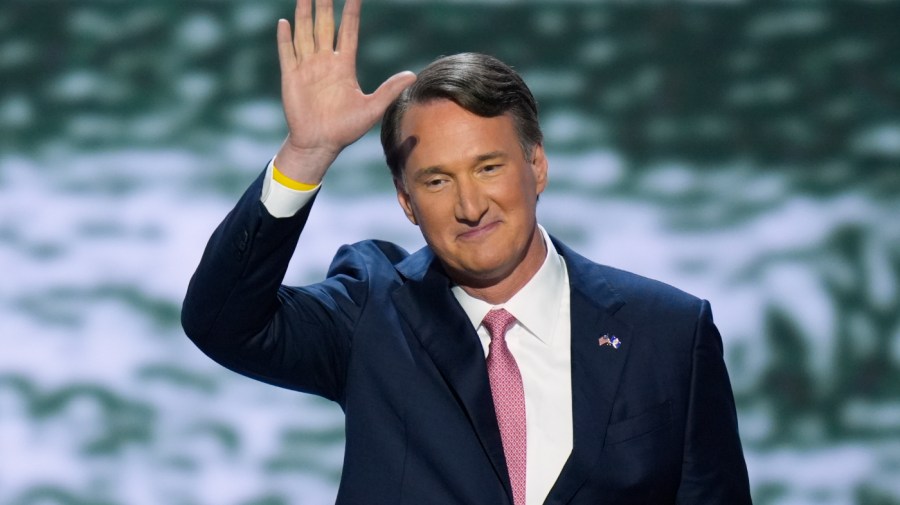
<point x="596" y="369"/>
<point x="446" y="334"/>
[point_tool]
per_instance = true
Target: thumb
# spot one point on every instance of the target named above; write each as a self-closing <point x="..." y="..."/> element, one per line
<point x="391" y="89"/>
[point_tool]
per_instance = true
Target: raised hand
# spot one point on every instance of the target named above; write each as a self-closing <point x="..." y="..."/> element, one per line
<point x="324" y="106"/>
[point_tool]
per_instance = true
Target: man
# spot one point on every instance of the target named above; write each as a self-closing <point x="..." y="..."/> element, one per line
<point x="495" y="365"/>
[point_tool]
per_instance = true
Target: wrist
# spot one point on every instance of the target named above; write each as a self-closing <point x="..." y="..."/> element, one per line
<point x="304" y="165"/>
<point x="279" y="177"/>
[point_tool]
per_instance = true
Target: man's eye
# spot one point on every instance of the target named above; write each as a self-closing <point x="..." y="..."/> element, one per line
<point x="435" y="183"/>
<point x="490" y="168"/>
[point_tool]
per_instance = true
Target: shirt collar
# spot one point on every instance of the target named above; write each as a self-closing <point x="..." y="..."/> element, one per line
<point x="536" y="305"/>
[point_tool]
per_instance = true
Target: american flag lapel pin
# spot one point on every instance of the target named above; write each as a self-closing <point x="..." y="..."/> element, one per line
<point x="610" y="340"/>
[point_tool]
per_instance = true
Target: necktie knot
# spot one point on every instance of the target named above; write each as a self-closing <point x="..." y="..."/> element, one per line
<point x="498" y="322"/>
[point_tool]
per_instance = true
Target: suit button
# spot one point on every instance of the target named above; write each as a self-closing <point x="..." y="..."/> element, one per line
<point x="242" y="242"/>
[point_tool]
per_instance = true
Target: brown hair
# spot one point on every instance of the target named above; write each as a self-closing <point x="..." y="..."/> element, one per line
<point x="481" y="84"/>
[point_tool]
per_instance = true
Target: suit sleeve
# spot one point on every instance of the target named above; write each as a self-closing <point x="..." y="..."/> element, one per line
<point x="238" y="313"/>
<point x="714" y="470"/>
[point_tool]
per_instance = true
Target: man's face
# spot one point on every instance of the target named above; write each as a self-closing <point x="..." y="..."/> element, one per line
<point x="469" y="188"/>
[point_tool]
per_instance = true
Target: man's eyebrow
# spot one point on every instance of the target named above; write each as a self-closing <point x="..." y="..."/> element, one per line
<point x="434" y="169"/>
<point x="489" y="156"/>
<point x="439" y="169"/>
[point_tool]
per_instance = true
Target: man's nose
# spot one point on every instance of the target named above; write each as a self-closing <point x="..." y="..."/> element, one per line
<point x="471" y="202"/>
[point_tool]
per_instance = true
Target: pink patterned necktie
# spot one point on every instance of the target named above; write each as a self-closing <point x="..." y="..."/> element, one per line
<point x="509" y="399"/>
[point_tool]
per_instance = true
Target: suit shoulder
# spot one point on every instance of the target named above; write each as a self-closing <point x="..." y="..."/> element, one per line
<point x="617" y="286"/>
<point x="632" y="286"/>
<point x="635" y="295"/>
<point x="381" y="249"/>
<point x="369" y="254"/>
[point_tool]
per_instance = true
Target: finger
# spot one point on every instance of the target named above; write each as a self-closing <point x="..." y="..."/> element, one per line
<point x="303" y="28"/>
<point x="324" y="25"/>
<point x="286" y="57"/>
<point x="348" y="35"/>
<point x="391" y="89"/>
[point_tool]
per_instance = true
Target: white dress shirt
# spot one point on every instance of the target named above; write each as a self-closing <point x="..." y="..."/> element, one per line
<point x="539" y="341"/>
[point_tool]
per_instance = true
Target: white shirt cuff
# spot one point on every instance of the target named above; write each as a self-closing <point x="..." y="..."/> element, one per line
<point x="280" y="200"/>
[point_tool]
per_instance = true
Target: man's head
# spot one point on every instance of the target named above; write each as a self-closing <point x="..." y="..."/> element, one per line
<point x="465" y="149"/>
<point x="480" y="84"/>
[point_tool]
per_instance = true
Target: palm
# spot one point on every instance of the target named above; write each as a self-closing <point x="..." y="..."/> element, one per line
<point x="324" y="106"/>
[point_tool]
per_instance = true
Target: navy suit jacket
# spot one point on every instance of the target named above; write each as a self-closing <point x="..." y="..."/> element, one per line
<point x="383" y="336"/>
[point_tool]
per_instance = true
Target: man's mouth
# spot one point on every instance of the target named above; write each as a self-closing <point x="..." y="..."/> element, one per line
<point x="479" y="231"/>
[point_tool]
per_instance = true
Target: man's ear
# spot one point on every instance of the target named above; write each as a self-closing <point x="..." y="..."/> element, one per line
<point x="539" y="167"/>
<point x="405" y="203"/>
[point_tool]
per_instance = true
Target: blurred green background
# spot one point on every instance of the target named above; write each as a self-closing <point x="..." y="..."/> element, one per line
<point x="748" y="152"/>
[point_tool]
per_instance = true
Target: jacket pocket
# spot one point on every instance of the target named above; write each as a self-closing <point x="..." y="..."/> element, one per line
<point x="641" y="424"/>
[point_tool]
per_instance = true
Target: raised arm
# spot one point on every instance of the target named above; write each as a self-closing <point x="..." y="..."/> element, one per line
<point x="235" y="308"/>
<point x="323" y="104"/>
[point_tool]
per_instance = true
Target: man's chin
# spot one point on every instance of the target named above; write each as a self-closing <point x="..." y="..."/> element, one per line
<point x="478" y="278"/>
